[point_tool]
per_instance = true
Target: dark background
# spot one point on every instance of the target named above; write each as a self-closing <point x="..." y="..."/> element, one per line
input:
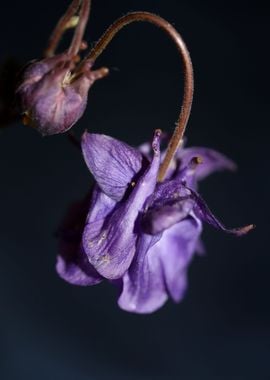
<point x="52" y="330"/>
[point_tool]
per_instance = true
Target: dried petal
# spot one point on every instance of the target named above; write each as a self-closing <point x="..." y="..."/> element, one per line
<point x="51" y="100"/>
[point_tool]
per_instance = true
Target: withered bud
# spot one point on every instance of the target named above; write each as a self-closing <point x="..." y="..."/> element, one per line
<point x="53" y="95"/>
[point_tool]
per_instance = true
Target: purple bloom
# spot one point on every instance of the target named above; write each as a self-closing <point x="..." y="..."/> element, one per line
<point x="52" y="99"/>
<point x="53" y="91"/>
<point x="133" y="230"/>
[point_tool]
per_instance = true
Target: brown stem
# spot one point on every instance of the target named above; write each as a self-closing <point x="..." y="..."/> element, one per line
<point x="187" y="68"/>
<point x="80" y="29"/>
<point x="60" y="28"/>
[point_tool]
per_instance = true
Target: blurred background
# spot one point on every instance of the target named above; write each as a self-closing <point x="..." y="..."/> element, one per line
<point x="52" y="330"/>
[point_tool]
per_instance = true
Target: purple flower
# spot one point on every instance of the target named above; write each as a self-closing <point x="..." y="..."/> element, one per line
<point x="134" y="231"/>
<point x="52" y="99"/>
<point x="53" y="91"/>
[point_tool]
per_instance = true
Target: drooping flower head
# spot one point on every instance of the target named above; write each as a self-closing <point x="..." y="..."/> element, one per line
<point x="53" y="91"/>
<point x="136" y="230"/>
<point x="140" y="226"/>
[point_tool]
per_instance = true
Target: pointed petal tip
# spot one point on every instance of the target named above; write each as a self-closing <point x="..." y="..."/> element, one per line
<point x="156" y="141"/>
<point x="232" y="166"/>
<point x="243" y="230"/>
<point x="84" y="135"/>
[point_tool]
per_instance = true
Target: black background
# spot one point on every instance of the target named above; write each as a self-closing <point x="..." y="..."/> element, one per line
<point x="52" y="330"/>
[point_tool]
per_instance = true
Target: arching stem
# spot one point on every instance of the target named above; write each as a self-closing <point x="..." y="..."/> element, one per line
<point x="187" y="70"/>
<point x="62" y="25"/>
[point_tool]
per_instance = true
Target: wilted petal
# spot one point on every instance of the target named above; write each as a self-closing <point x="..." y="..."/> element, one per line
<point x="110" y="244"/>
<point x="72" y="263"/>
<point x="113" y="163"/>
<point x="54" y="108"/>
<point x="203" y="212"/>
<point x="51" y="98"/>
<point x="175" y="250"/>
<point x="144" y="289"/>
<point x="34" y="72"/>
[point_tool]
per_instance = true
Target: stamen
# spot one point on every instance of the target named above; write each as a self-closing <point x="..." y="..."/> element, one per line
<point x="187" y="68"/>
<point x="194" y="162"/>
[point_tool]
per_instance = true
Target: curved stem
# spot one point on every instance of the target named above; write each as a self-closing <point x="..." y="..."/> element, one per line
<point x="187" y="69"/>
<point x="80" y="29"/>
<point x="61" y="28"/>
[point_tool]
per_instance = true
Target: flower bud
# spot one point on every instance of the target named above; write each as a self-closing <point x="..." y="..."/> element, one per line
<point x="53" y="95"/>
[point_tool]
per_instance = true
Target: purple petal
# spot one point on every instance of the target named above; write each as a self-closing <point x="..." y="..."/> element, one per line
<point x="73" y="266"/>
<point x="101" y="206"/>
<point x="211" y="161"/>
<point x="200" y="248"/>
<point x="72" y="263"/>
<point x="170" y="204"/>
<point x="175" y="250"/>
<point x="36" y="71"/>
<point x="110" y="244"/>
<point x="144" y="289"/>
<point x="187" y="175"/>
<point x="158" y="219"/>
<point x="203" y="212"/>
<point x="113" y="163"/>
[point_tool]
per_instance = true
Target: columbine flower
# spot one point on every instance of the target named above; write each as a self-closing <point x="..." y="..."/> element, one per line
<point x="53" y="91"/>
<point x="135" y="230"/>
<point x="52" y="98"/>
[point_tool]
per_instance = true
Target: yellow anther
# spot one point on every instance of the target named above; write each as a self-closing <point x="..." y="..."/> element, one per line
<point x="73" y="22"/>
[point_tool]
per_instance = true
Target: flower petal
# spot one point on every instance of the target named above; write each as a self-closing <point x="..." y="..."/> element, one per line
<point x="73" y="266"/>
<point x="200" y="248"/>
<point x="175" y="250"/>
<point x="211" y="161"/>
<point x="170" y="204"/>
<point x="110" y="244"/>
<point x="113" y="163"/>
<point x="158" y="219"/>
<point x="203" y="212"/>
<point x="72" y="263"/>
<point x="144" y="289"/>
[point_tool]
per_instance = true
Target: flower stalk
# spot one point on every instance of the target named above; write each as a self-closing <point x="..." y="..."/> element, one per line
<point x="187" y="71"/>
<point x="67" y="21"/>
